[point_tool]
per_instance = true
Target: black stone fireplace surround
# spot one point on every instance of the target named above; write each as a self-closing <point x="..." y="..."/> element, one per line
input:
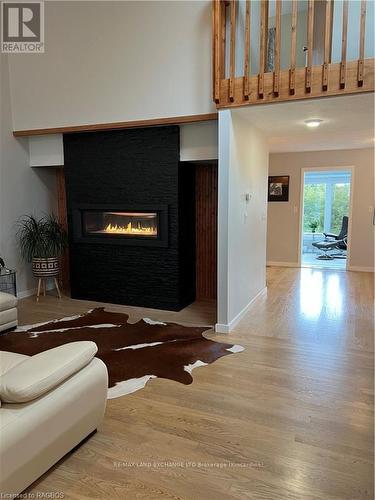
<point x="131" y="217"/>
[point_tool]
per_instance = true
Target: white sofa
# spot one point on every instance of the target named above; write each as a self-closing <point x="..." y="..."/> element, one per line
<point x="49" y="403"/>
<point x="8" y="311"/>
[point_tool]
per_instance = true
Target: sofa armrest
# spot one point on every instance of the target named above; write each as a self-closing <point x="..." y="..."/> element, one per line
<point x="40" y="373"/>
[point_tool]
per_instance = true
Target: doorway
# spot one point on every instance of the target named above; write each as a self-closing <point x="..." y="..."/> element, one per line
<point x="325" y="217"/>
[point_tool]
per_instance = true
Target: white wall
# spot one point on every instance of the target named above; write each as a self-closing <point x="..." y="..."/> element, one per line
<point x="243" y="167"/>
<point x="283" y="217"/>
<point x="46" y="150"/>
<point x="111" y="61"/>
<point x="198" y="141"/>
<point x="22" y="190"/>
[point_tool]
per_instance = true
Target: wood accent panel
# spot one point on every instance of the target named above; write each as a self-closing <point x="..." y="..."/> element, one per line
<point x="96" y="127"/>
<point x="334" y="88"/>
<point x="206" y="230"/>
<point x="62" y="215"/>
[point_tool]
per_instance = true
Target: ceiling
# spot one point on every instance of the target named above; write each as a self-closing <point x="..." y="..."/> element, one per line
<point x="348" y="123"/>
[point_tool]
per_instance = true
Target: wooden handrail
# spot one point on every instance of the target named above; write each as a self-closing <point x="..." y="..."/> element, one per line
<point x="314" y="77"/>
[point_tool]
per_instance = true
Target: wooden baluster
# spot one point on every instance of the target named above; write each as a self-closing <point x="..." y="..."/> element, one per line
<point x="362" y="28"/>
<point x="276" y="72"/>
<point x="246" y="89"/>
<point x="310" y="31"/>
<point x="223" y="28"/>
<point x="327" y="44"/>
<point x="262" y="46"/>
<point x="293" y="48"/>
<point x="267" y="4"/>
<point x="213" y="30"/>
<point x="232" y="62"/>
<point x="217" y="68"/>
<point x="344" y="43"/>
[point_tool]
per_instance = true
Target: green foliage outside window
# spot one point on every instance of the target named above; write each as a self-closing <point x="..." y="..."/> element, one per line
<point x="314" y="202"/>
<point x="314" y="199"/>
<point x="340" y="205"/>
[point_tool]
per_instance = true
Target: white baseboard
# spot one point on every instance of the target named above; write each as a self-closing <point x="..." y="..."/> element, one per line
<point x="27" y="293"/>
<point x="33" y="291"/>
<point x="227" y="328"/>
<point x="361" y="269"/>
<point x="282" y="264"/>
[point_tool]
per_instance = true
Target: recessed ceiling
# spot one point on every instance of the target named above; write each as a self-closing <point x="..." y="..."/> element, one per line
<point x="348" y="123"/>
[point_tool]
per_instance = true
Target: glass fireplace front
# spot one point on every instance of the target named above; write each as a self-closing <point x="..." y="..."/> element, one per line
<point x="116" y="223"/>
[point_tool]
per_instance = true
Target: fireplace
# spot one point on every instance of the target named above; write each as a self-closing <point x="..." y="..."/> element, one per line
<point x="118" y="225"/>
<point x="121" y="224"/>
<point x="131" y="218"/>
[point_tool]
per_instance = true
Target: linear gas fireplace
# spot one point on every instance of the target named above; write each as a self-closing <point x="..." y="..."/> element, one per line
<point x="129" y="224"/>
<point x="121" y="226"/>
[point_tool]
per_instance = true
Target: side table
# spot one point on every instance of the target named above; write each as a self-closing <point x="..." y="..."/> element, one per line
<point x="8" y="281"/>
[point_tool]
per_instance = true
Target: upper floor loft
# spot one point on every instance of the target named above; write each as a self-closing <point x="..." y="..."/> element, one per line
<point x="280" y="50"/>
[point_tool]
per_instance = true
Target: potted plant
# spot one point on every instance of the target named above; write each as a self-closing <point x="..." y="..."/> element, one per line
<point x="314" y="226"/>
<point x="42" y="241"/>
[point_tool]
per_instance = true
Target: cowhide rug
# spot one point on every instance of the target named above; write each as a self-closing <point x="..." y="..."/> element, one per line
<point x="134" y="353"/>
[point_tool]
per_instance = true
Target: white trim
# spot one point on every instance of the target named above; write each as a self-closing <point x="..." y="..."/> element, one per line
<point x="361" y="269"/>
<point x="27" y="293"/>
<point x="301" y="207"/>
<point x="282" y="264"/>
<point x="33" y="291"/>
<point x="227" y="328"/>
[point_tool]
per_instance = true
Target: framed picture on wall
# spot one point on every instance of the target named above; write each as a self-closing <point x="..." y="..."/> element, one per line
<point x="278" y="188"/>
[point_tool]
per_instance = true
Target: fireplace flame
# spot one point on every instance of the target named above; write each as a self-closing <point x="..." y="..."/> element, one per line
<point x="130" y="229"/>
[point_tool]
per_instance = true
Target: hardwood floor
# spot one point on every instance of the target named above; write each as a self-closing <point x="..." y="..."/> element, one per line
<point x="289" y="418"/>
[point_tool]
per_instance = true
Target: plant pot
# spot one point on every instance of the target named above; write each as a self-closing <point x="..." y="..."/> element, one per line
<point x="46" y="268"/>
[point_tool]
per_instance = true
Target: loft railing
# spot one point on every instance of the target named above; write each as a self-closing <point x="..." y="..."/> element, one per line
<point x="267" y="51"/>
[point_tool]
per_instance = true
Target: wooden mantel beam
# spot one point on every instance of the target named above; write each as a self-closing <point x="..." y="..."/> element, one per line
<point x="96" y="127"/>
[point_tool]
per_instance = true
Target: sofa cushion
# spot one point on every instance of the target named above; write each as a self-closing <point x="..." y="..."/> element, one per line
<point x="8" y="316"/>
<point x="40" y="373"/>
<point x="7" y="301"/>
<point x="9" y="360"/>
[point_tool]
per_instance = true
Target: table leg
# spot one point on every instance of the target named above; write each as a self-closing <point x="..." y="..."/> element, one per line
<point x="57" y="288"/>
<point x="38" y="292"/>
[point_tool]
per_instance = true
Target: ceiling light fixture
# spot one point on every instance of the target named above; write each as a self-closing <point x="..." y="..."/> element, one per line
<point x="313" y="123"/>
